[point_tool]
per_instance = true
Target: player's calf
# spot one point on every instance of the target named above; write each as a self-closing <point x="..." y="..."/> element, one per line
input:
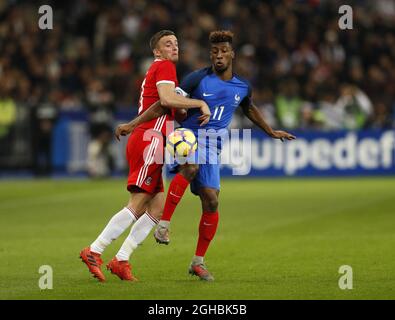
<point x="174" y="195"/>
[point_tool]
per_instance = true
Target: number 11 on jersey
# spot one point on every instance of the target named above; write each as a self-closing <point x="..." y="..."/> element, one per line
<point x="219" y="114"/>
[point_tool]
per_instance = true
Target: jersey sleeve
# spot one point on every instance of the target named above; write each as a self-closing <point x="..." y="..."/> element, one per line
<point x="181" y="92"/>
<point x="166" y="73"/>
<point x="192" y="80"/>
<point x="248" y="98"/>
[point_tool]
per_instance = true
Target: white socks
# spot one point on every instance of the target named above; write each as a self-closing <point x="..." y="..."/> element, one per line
<point x="138" y="233"/>
<point x="117" y="225"/>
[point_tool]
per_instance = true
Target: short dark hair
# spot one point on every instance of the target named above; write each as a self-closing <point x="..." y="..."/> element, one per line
<point x="157" y="36"/>
<point x="221" y="36"/>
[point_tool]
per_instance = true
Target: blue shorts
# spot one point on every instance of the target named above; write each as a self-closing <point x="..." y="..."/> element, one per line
<point x="208" y="175"/>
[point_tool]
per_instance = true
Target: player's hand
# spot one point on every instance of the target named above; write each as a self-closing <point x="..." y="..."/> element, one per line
<point x="124" y="129"/>
<point x="206" y="114"/>
<point x="278" y="134"/>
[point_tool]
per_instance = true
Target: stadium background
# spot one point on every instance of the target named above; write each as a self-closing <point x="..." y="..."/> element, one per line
<point x="62" y="91"/>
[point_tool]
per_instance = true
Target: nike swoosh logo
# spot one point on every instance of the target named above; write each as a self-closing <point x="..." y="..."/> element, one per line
<point x="207" y="94"/>
<point x="207" y="224"/>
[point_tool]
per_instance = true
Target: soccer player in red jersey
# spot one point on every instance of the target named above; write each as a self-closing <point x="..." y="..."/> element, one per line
<point x="144" y="147"/>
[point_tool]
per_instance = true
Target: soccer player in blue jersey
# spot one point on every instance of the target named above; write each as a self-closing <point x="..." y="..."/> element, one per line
<point x="223" y="91"/>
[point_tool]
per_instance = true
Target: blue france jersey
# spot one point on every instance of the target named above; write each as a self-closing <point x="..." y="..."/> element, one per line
<point x="222" y="97"/>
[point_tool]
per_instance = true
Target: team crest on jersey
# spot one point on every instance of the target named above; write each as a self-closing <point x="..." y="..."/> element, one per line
<point x="148" y="181"/>
<point x="237" y="98"/>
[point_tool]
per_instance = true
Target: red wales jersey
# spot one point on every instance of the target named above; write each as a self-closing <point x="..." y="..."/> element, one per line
<point x="161" y="71"/>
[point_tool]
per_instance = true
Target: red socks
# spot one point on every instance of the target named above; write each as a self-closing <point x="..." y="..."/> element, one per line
<point x="174" y="194"/>
<point x="208" y="222"/>
<point x="207" y="228"/>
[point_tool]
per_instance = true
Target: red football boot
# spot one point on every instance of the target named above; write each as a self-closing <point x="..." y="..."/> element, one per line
<point x="122" y="269"/>
<point x="93" y="262"/>
<point x="201" y="271"/>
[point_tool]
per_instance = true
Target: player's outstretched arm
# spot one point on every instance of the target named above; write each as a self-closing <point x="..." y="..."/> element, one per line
<point x="154" y="111"/>
<point x="252" y="113"/>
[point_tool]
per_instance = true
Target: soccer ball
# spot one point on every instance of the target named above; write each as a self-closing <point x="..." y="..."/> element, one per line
<point x="181" y="142"/>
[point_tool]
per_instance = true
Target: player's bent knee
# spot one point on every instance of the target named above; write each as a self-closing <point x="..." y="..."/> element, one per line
<point x="210" y="204"/>
<point x="209" y="198"/>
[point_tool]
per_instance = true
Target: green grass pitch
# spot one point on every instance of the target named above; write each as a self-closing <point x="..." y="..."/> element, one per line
<point x="277" y="239"/>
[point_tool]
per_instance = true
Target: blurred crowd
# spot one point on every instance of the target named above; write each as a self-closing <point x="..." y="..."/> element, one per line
<point x="306" y="73"/>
